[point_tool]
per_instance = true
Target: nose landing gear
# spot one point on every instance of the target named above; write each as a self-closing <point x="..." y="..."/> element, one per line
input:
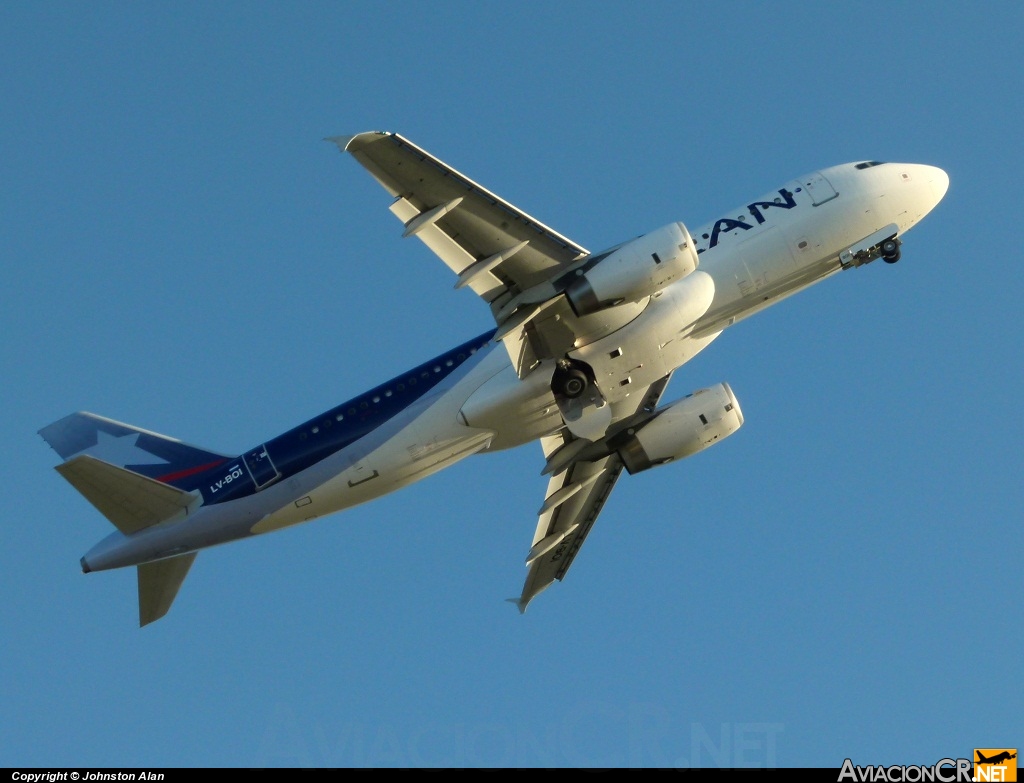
<point x="890" y="250"/>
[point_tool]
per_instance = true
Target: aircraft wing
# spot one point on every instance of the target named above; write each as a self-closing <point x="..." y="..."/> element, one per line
<point x="575" y="495"/>
<point x="496" y="249"/>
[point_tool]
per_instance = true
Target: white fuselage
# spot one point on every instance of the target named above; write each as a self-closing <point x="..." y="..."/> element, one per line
<point x="750" y="259"/>
<point x="747" y="270"/>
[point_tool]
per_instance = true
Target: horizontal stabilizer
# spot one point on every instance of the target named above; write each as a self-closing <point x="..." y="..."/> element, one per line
<point x="159" y="583"/>
<point x="129" y="500"/>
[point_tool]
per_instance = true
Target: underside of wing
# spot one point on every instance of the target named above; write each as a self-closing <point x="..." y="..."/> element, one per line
<point x="496" y="249"/>
<point x="576" y="493"/>
<point x="548" y="295"/>
<point x="562" y="530"/>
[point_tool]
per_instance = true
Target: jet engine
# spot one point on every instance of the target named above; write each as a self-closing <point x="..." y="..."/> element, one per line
<point x="680" y="429"/>
<point x="634" y="270"/>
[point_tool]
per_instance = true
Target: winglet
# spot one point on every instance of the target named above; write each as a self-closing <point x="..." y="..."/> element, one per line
<point x="344" y="142"/>
<point x="520" y="603"/>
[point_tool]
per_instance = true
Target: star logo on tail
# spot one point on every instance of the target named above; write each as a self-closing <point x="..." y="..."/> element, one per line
<point x="122" y="450"/>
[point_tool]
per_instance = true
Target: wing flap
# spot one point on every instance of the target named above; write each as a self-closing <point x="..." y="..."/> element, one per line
<point x="567" y="524"/>
<point x="129" y="500"/>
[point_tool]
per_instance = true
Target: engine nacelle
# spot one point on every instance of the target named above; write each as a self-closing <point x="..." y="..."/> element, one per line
<point x="637" y="269"/>
<point x="680" y="429"/>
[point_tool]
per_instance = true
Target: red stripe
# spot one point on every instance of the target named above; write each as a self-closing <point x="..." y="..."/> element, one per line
<point x="189" y="471"/>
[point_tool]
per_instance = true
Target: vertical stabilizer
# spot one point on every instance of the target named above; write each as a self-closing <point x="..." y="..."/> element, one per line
<point x="147" y="453"/>
<point x="159" y="583"/>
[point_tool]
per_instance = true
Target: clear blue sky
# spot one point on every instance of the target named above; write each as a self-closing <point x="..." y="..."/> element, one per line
<point x="181" y="251"/>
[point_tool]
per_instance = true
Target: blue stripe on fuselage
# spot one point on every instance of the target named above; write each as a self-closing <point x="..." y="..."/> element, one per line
<point x="339" y="427"/>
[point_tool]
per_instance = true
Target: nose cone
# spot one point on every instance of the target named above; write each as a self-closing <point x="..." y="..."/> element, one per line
<point x="914" y="189"/>
<point x="938" y="181"/>
<point x="928" y="183"/>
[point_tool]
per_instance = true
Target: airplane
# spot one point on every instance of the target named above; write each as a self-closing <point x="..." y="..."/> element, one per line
<point x="996" y="759"/>
<point x="581" y="351"/>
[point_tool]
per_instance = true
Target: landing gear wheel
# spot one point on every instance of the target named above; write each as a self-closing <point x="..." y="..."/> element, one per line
<point x="572" y="383"/>
<point x="890" y="250"/>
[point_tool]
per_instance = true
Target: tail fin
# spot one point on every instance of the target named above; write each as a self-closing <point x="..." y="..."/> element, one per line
<point x="146" y="453"/>
<point x="158" y="585"/>
<point x="136" y="479"/>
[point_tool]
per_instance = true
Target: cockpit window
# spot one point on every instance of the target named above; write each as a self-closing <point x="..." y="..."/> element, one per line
<point x="869" y="164"/>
